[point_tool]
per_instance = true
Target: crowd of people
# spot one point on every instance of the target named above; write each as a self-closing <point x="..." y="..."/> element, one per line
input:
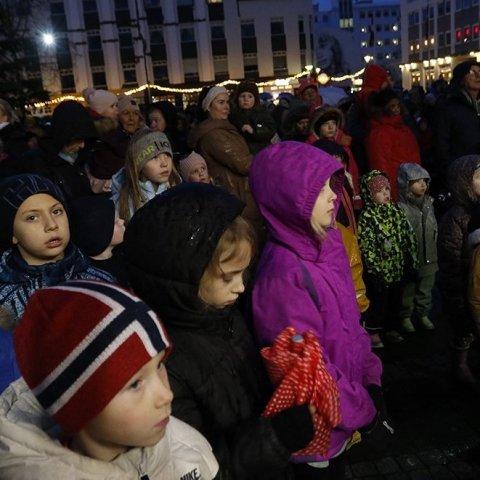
<point x="133" y="344"/>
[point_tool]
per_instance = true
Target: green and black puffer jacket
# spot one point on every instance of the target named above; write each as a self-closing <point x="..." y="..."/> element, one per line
<point x="385" y="237"/>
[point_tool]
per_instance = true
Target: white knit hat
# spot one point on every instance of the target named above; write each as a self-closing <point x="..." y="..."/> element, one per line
<point x="210" y="97"/>
<point x="99" y="100"/>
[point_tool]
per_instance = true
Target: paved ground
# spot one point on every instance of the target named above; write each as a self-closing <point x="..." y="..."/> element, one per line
<point x="437" y="420"/>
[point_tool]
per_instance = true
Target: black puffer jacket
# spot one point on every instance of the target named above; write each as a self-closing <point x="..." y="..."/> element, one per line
<point x="215" y="371"/>
<point x="457" y="131"/>
<point x="453" y="254"/>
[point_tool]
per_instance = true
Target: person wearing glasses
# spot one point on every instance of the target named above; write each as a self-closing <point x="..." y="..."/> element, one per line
<point x="457" y="126"/>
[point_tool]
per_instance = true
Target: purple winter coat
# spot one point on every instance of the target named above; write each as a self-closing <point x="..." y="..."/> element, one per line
<point x="285" y="180"/>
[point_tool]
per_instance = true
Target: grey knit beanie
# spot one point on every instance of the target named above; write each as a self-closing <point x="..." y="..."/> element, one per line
<point x="147" y="144"/>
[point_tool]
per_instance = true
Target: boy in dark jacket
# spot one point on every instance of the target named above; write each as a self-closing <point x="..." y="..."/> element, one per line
<point x="35" y="234"/>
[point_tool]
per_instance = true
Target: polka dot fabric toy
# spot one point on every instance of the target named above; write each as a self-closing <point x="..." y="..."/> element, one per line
<point x="295" y="365"/>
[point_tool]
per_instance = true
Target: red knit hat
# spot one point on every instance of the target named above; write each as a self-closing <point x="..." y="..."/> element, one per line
<point x="79" y="343"/>
<point x="377" y="183"/>
<point x="374" y="77"/>
<point x="307" y="83"/>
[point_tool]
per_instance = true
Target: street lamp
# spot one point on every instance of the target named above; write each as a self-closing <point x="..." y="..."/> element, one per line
<point x="48" y="39"/>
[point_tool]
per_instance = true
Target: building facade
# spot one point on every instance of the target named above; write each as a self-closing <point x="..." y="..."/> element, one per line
<point x="365" y="30"/>
<point x="439" y="34"/>
<point x="122" y="44"/>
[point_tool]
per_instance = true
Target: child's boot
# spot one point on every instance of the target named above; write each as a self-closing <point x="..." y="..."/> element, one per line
<point x="426" y="323"/>
<point x="407" y="325"/>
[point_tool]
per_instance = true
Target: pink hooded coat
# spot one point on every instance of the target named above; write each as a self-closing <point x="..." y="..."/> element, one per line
<point x="306" y="283"/>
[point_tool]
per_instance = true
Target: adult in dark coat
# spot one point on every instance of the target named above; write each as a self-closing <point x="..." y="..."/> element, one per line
<point x="454" y="258"/>
<point x="215" y="371"/>
<point x="63" y="153"/>
<point x="225" y="150"/>
<point x="457" y="124"/>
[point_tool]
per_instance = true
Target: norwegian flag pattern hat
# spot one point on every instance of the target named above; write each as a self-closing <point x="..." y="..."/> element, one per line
<point x="80" y="342"/>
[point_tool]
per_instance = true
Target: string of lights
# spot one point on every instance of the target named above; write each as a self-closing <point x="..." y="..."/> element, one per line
<point x="279" y="82"/>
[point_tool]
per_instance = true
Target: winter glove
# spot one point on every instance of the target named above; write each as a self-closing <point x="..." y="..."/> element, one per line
<point x="378" y="434"/>
<point x="294" y="427"/>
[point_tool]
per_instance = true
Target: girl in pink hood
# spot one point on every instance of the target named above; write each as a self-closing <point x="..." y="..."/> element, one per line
<point x="304" y="280"/>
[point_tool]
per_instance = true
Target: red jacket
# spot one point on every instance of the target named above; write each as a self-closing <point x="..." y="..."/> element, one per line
<point x="389" y="143"/>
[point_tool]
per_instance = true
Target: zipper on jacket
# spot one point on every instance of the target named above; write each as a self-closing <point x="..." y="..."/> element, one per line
<point x="141" y="473"/>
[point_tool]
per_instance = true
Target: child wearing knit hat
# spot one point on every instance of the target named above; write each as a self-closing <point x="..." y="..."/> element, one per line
<point x="96" y="230"/>
<point x="101" y="102"/>
<point x="35" y="234"/>
<point x="251" y="118"/>
<point x="149" y="171"/>
<point x="193" y="168"/>
<point x="389" y="249"/>
<point x="103" y="382"/>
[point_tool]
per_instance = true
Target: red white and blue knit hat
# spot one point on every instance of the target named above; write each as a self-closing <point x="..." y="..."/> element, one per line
<point x="79" y="343"/>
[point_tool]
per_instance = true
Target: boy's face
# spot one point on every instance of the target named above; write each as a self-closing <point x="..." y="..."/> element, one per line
<point x="40" y="229"/>
<point x="221" y="287"/>
<point x="328" y="129"/>
<point x="382" y="196"/>
<point x="418" y="187"/>
<point x="136" y="417"/>
<point x="246" y="100"/>
<point x="158" y="169"/>
<point x="476" y="183"/>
